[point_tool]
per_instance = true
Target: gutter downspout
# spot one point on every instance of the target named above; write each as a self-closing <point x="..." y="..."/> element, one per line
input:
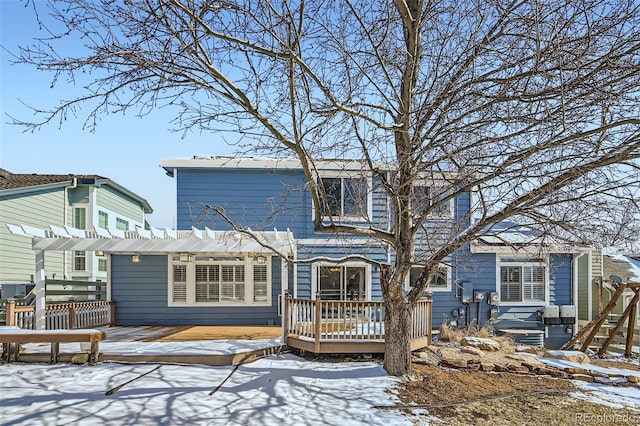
<point x="74" y="185"/>
<point x="575" y="297"/>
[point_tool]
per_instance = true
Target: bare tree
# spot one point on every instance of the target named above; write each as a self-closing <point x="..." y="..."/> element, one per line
<point x="530" y="105"/>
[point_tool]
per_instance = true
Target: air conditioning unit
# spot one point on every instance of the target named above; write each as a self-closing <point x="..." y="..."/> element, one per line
<point x="568" y="314"/>
<point x="551" y="315"/>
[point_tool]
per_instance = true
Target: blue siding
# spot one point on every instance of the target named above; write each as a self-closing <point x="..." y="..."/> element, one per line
<point x="260" y="199"/>
<point x="264" y="199"/>
<point x="140" y="293"/>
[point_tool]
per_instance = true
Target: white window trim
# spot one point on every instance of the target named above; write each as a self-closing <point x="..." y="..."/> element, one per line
<point x="445" y="215"/>
<point x="367" y="271"/>
<point x="430" y="289"/>
<point x="522" y="262"/>
<point x="349" y="175"/>
<point x="248" y="263"/>
<point x="82" y="256"/>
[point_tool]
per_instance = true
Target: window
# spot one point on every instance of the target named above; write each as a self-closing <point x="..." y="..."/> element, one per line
<point x="424" y="198"/>
<point x="260" y="283"/>
<point x="122" y="224"/>
<point x="441" y="281"/>
<point x="338" y="282"/>
<point x="522" y="283"/>
<point x="80" y="218"/>
<point x="346" y="197"/>
<point x="214" y="279"/>
<point x="179" y="290"/>
<point x="103" y="219"/>
<point x="219" y="283"/>
<point x="79" y="261"/>
<point x="102" y="264"/>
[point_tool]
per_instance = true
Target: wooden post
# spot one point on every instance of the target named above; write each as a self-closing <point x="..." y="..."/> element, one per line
<point x="614" y="332"/>
<point x="602" y="317"/>
<point x="429" y="313"/>
<point x="633" y="311"/>
<point x="72" y="314"/>
<point x="112" y="320"/>
<point x="11" y="312"/>
<point x="285" y="317"/>
<point x="594" y="323"/>
<point x="316" y="325"/>
<point x="41" y="293"/>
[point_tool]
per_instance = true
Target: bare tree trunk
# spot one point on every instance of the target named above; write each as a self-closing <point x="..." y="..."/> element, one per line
<point x="397" y="323"/>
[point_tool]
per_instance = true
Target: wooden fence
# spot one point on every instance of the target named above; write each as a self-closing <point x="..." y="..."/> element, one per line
<point x="63" y="315"/>
<point x="348" y="321"/>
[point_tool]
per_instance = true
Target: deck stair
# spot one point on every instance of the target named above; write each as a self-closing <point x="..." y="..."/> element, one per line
<point x="609" y="330"/>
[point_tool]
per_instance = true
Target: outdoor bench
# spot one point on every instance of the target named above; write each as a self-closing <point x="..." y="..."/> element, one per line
<point x="12" y="337"/>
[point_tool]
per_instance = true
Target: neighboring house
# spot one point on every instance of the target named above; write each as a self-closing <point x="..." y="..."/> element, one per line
<point x="596" y="293"/>
<point x="79" y="201"/>
<point x="268" y="194"/>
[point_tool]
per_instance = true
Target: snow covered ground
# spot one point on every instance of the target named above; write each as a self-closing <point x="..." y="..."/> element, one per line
<point x="614" y="396"/>
<point x="277" y="390"/>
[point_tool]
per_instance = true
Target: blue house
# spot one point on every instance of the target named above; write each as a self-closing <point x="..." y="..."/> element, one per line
<point x="507" y="276"/>
<point x="211" y="274"/>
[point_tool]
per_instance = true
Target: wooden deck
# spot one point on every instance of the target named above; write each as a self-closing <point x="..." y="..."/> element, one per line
<point x="325" y="326"/>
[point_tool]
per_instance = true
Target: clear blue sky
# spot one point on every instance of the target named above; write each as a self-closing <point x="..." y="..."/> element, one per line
<point x="126" y="149"/>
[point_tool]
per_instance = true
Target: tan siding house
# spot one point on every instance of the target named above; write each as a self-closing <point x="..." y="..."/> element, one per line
<point x="81" y="201"/>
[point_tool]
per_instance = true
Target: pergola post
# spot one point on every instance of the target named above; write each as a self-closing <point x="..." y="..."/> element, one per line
<point x="41" y="322"/>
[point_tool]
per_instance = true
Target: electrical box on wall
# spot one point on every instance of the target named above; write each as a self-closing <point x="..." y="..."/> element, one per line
<point x="551" y="315"/>
<point x="478" y="296"/>
<point x="568" y="314"/>
<point x="494" y="298"/>
<point x="467" y="291"/>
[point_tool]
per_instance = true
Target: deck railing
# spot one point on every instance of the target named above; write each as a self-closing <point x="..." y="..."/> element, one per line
<point x="332" y="320"/>
<point x="69" y="315"/>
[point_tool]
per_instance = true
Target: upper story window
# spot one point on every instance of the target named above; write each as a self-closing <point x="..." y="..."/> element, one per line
<point x="441" y="281"/>
<point x="103" y="219"/>
<point x="425" y="196"/>
<point x="80" y="218"/>
<point x="347" y="197"/>
<point x="522" y="282"/>
<point x="121" y="224"/>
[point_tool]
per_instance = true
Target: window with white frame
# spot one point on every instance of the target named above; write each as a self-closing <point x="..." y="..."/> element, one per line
<point x="102" y="264"/>
<point x="80" y="218"/>
<point x="179" y="283"/>
<point x="103" y="219"/>
<point x="342" y="282"/>
<point x="79" y="261"/>
<point x="121" y="224"/>
<point x="441" y="280"/>
<point x="217" y="280"/>
<point x="425" y="196"/>
<point x="522" y="282"/>
<point x="347" y="197"/>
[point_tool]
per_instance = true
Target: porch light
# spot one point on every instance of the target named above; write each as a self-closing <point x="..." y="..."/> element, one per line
<point x="99" y="253"/>
<point x="260" y="259"/>
<point x="135" y="258"/>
